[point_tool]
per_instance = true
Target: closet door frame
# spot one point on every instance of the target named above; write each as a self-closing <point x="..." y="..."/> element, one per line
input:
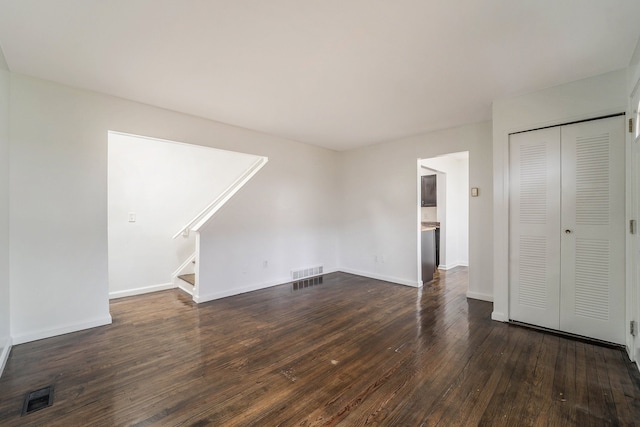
<point x="626" y="239"/>
<point x="633" y="212"/>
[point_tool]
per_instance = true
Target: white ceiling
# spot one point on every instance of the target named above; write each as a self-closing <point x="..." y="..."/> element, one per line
<point x="334" y="73"/>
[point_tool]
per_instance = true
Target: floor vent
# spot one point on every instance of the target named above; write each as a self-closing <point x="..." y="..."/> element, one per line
<point x="314" y="281"/>
<point x="38" y="399"/>
<point x="307" y="272"/>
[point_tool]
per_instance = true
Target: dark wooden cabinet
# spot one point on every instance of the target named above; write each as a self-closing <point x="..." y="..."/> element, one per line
<point x="429" y="191"/>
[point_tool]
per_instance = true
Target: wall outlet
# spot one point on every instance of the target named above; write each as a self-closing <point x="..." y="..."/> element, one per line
<point x="132" y="217"/>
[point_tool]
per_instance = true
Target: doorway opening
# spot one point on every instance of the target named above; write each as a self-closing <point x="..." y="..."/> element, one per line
<point x="449" y="215"/>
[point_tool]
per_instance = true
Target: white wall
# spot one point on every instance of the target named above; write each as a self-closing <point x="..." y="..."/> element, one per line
<point x="287" y="216"/>
<point x="633" y="162"/>
<point x="588" y="98"/>
<point x="58" y="212"/>
<point x="462" y="211"/>
<point x="454" y="216"/>
<point x="5" y="340"/>
<point x="166" y="184"/>
<point x="379" y="209"/>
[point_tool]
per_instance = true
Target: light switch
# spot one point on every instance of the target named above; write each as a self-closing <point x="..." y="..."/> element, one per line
<point x="474" y="192"/>
<point x="132" y="217"/>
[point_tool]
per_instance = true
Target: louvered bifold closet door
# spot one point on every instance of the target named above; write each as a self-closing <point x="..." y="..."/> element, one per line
<point x="534" y="222"/>
<point x="593" y="229"/>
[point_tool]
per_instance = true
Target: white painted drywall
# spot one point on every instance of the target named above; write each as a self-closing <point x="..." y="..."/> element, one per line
<point x="588" y="98"/>
<point x="3" y="62"/>
<point x="633" y="194"/>
<point x="454" y="231"/>
<point x="287" y="216"/>
<point x="5" y="339"/>
<point x="165" y="185"/>
<point x="58" y="212"/>
<point x="379" y="209"/>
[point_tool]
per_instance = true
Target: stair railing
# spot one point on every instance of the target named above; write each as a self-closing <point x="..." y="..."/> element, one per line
<point x="205" y="215"/>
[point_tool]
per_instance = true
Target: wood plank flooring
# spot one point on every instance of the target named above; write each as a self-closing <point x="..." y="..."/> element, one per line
<point x="346" y="351"/>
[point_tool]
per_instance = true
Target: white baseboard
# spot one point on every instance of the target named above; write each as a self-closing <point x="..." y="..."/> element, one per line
<point x="140" y="291"/>
<point x="4" y="356"/>
<point x="453" y="265"/>
<point x="66" y="329"/>
<point x="480" y="296"/>
<point x="235" y="291"/>
<point x="405" y="282"/>
<point x="244" y="289"/>
<point x="500" y="317"/>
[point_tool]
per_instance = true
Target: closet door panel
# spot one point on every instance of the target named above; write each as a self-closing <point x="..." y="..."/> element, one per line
<point x="534" y="221"/>
<point x="593" y="225"/>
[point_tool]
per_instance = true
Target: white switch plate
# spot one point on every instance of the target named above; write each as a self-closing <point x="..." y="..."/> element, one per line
<point x="132" y="217"/>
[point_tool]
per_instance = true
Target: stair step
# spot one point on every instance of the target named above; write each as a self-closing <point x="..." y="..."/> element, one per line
<point x="189" y="278"/>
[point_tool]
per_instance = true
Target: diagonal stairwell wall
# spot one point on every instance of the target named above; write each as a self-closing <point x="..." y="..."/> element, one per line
<point x="158" y="190"/>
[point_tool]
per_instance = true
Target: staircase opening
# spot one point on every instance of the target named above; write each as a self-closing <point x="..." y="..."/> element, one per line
<point x="160" y="193"/>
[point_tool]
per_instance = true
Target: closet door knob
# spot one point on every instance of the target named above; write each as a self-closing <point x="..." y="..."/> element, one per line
<point x="567" y="231"/>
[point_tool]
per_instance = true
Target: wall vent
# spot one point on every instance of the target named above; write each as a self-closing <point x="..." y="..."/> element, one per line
<point x="307" y="272"/>
<point x="37" y="399"/>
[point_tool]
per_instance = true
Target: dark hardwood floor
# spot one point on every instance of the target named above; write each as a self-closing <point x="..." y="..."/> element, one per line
<point x="348" y="351"/>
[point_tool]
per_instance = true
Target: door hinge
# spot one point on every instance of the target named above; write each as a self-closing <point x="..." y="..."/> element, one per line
<point x="632" y="226"/>
<point x="631" y="125"/>
<point x="633" y="328"/>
